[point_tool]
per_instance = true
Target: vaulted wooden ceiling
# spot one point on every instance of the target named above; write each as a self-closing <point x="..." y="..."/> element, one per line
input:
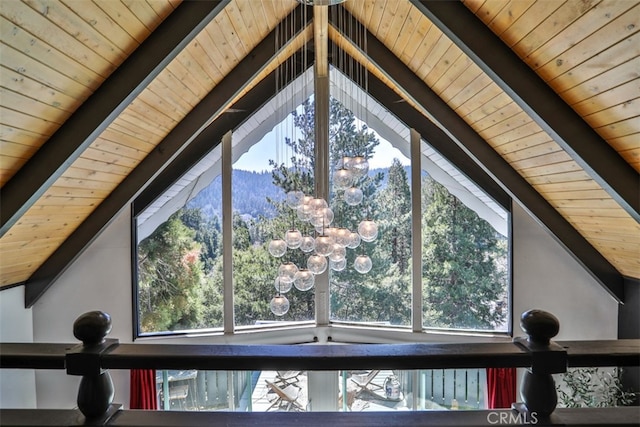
<point x="98" y="98"/>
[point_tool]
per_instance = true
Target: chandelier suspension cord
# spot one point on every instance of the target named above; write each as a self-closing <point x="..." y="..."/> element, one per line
<point x="328" y="250"/>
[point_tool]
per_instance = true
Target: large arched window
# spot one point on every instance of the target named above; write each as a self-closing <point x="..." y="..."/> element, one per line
<point x="440" y="261"/>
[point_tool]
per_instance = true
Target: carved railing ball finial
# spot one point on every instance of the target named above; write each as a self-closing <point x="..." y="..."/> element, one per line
<point x="92" y="327"/>
<point x="95" y="393"/>
<point x="540" y="326"/>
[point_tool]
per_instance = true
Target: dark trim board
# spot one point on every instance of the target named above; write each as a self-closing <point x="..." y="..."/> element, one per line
<point x="462" y="135"/>
<point x="193" y="126"/>
<point x="106" y="103"/>
<point x="538" y="100"/>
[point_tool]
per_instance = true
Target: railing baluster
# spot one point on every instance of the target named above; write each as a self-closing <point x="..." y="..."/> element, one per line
<point x="466" y="387"/>
<point x="432" y="385"/>
<point x="478" y="388"/>
<point x="453" y="404"/>
<point x="443" y="387"/>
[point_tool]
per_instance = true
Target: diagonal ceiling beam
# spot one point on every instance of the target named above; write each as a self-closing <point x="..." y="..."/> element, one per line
<point x="538" y="100"/>
<point x="97" y="113"/>
<point x="192" y="127"/>
<point x="460" y="133"/>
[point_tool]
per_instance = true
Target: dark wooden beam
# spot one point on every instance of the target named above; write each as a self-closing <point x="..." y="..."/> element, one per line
<point x="597" y="353"/>
<point x="538" y="100"/>
<point x="89" y="358"/>
<point x="192" y="127"/>
<point x="316" y="357"/>
<point x="32" y="355"/>
<point x="592" y="417"/>
<point x="622" y="352"/>
<point x="324" y="357"/>
<point x="106" y="103"/>
<point x="460" y="133"/>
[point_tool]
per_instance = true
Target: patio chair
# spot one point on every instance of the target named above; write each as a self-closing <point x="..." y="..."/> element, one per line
<point x="285" y="378"/>
<point x="365" y="382"/>
<point x="287" y="397"/>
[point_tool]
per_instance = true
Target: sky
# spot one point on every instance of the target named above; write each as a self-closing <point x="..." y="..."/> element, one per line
<point x="257" y="158"/>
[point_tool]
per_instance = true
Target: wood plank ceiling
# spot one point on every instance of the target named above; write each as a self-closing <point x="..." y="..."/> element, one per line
<point x="56" y="57"/>
<point x="85" y="41"/>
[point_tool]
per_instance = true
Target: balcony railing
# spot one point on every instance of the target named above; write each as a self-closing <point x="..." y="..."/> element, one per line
<point x="542" y="357"/>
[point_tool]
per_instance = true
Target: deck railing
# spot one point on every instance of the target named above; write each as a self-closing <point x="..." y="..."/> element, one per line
<point x="542" y="357"/>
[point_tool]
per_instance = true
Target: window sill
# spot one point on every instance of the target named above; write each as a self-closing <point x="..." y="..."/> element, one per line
<point x="336" y="332"/>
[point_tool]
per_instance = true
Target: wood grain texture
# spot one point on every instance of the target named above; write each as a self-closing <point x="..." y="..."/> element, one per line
<point x="147" y="120"/>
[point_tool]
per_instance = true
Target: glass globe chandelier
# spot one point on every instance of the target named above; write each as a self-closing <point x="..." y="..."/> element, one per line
<point x="327" y="248"/>
<point x="282" y="287"/>
<point x="362" y="264"/>
<point x="293" y="238"/>
<point x="317" y="264"/>
<point x="277" y="247"/>
<point x="279" y="305"/>
<point x="287" y="272"/>
<point x="304" y="280"/>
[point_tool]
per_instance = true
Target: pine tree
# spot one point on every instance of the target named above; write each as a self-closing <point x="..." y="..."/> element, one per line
<point x="461" y="276"/>
<point x="169" y="278"/>
<point x="207" y="233"/>
<point x="395" y="221"/>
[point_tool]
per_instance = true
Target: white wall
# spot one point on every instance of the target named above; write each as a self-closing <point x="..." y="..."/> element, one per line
<point x="100" y="279"/>
<point x="545" y="277"/>
<point x="17" y="386"/>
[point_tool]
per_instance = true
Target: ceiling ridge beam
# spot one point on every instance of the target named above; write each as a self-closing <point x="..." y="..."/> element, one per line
<point x="538" y="100"/>
<point x="196" y="123"/>
<point x="114" y="95"/>
<point x="459" y="133"/>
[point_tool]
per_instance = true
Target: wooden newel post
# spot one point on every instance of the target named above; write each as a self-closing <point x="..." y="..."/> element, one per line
<point x="538" y="389"/>
<point x="95" y="393"/>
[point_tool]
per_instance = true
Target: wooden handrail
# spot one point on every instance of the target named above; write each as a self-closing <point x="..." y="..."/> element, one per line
<point x="96" y="355"/>
<point x="594" y="353"/>
<point x="602" y="353"/>
<point x="33" y="355"/>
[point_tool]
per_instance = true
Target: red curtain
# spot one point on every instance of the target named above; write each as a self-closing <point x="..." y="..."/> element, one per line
<point x="501" y="387"/>
<point x="143" y="389"/>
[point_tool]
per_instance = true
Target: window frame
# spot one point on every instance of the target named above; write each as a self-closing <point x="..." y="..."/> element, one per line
<point x="348" y="331"/>
<point x="415" y="332"/>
